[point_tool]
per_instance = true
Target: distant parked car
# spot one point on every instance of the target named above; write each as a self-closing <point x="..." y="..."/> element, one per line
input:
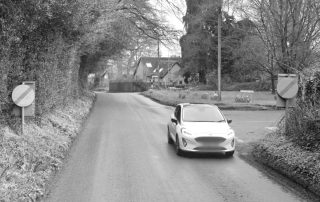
<point x="200" y="128"/>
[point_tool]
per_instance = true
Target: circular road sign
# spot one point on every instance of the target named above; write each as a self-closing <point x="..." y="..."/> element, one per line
<point x="287" y="88"/>
<point x="23" y="95"/>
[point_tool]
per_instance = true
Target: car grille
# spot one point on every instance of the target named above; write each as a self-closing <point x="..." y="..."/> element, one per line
<point x="208" y="148"/>
<point x="216" y="140"/>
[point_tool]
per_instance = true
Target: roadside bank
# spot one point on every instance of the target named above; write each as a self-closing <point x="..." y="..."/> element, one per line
<point x="287" y="158"/>
<point x="29" y="161"/>
<point x="172" y="98"/>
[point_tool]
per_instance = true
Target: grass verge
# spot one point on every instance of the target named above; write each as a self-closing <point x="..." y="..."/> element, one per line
<point x="287" y="158"/>
<point x="262" y="101"/>
<point x="28" y="162"/>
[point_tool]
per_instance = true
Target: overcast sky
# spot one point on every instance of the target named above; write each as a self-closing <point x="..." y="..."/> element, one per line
<point x="173" y="17"/>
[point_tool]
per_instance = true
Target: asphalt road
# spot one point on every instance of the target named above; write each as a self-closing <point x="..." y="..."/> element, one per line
<point x="123" y="155"/>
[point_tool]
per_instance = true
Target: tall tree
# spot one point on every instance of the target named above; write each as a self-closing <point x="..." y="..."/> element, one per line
<point x="119" y="27"/>
<point x="200" y="44"/>
<point x="289" y="29"/>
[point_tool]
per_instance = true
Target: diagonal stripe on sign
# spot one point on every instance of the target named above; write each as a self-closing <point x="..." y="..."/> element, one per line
<point x="286" y="89"/>
<point x="23" y="95"/>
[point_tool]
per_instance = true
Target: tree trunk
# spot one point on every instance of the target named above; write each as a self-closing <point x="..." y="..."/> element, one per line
<point x="83" y="73"/>
<point x="273" y="87"/>
<point x="202" y="77"/>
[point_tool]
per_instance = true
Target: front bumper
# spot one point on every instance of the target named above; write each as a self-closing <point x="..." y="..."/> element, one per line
<point x="207" y="144"/>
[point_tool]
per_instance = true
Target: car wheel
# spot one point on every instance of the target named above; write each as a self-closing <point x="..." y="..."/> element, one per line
<point x="229" y="154"/>
<point x="170" y="141"/>
<point x="178" y="150"/>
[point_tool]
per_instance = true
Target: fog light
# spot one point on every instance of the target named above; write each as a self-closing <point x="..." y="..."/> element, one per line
<point x="232" y="142"/>
<point x="184" y="142"/>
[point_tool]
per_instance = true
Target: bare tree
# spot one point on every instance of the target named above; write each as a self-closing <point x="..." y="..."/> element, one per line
<point x="121" y="28"/>
<point x="289" y="30"/>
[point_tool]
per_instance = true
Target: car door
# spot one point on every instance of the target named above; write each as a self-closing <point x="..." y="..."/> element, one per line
<point x="172" y="124"/>
<point x="178" y="117"/>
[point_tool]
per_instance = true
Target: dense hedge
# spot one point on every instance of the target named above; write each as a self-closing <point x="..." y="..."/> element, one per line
<point x="303" y="126"/>
<point x="39" y="43"/>
<point x="294" y="150"/>
<point x="289" y="159"/>
<point x="303" y="121"/>
<point x="255" y="86"/>
<point x="128" y="86"/>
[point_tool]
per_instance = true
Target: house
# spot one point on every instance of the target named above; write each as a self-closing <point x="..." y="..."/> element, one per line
<point x="173" y="75"/>
<point x="153" y="69"/>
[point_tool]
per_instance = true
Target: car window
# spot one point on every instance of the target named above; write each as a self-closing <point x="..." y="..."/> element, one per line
<point x="200" y="113"/>
<point x="179" y="114"/>
<point x="176" y="112"/>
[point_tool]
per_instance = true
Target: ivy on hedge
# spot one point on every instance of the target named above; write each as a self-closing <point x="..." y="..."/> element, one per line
<point x="303" y="122"/>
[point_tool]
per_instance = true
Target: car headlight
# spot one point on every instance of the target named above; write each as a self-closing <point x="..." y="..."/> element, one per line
<point x="185" y="132"/>
<point x="230" y="133"/>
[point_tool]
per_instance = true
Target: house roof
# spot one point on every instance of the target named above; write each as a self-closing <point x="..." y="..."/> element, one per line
<point x="164" y="73"/>
<point x="157" y="66"/>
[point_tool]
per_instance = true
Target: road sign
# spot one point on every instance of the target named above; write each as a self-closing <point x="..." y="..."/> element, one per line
<point x="23" y="95"/>
<point x="287" y="87"/>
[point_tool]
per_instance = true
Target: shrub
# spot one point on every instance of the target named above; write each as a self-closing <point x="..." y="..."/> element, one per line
<point x="287" y="158"/>
<point x="302" y="125"/>
<point x="312" y="89"/>
<point x="242" y="99"/>
<point x="256" y="86"/>
<point x="214" y="96"/>
<point x="205" y="96"/>
<point x="182" y="96"/>
<point x="128" y="86"/>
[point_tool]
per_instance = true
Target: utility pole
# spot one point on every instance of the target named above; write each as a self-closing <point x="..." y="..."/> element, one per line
<point x="219" y="48"/>
<point x="158" y="52"/>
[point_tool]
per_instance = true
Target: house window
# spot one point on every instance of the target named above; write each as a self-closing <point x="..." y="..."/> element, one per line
<point x="149" y="64"/>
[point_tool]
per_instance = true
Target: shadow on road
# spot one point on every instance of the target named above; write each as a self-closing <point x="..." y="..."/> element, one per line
<point x="206" y="155"/>
<point x="192" y="155"/>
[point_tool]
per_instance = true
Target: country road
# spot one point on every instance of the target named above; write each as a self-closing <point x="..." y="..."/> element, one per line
<point x="122" y="155"/>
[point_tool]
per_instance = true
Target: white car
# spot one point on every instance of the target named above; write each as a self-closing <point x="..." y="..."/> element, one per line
<point x="200" y="128"/>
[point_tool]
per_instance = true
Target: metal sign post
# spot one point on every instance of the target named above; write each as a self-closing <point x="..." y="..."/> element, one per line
<point x="29" y="111"/>
<point x="23" y="96"/>
<point x="22" y="116"/>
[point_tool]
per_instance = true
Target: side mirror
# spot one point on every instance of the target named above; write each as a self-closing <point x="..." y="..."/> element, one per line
<point x="174" y="119"/>
<point x="229" y="121"/>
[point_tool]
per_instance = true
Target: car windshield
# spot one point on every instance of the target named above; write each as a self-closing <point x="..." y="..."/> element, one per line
<point x="200" y="113"/>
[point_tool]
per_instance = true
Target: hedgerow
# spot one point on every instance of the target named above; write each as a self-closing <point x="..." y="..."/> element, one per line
<point x="294" y="150"/>
<point x="302" y="124"/>
<point x="284" y="156"/>
<point x="38" y="43"/>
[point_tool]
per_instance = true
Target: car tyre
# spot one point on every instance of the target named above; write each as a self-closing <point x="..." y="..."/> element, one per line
<point x="229" y="153"/>
<point x="179" y="152"/>
<point x="170" y="141"/>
